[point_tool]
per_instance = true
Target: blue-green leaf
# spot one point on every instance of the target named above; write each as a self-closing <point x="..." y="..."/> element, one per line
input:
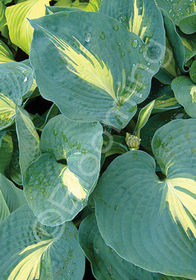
<point x="188" y="24"/>
<point x="94" y="71"/>
<point x="185" y="93"/>
<point x="148" y="221"/>
<point x="176" y="9"/>
<point x="144" y="19"/>
<point x="105" y="262"/>
<point x="15" y="81"/>
<point x="28" y="139"/>
<point x="62" y="178"/>
<point x="13" y="196"/>
<point x="36" y="252"/>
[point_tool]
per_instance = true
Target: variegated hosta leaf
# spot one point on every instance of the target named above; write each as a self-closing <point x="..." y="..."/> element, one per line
<point x="158" y="120"/>
<point x="15" y="81"/>
<point x="144" y="19"/>
<point x="28" y="139"/>
<point x="176" y="9"/>
<point x="185" y="93"/>
<point x="6" y="150"/>
<point x="20" y="30"/>
<point x="36" y="252"/>
<point x="58" y="183"/>
<point x="13" y="196"/>
<point x="148" y="221"/>
<point x="5" y="53"/>
<point x="94" y="71"/>
<point x="105" y="262"/>
<point x="165" y="100"/>
<point x="92" y="5"/>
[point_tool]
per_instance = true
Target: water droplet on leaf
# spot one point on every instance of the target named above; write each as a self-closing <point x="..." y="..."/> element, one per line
<point x="116" y="27"/>
<point x="88" y="37"/>
<point x="134" y="44"/>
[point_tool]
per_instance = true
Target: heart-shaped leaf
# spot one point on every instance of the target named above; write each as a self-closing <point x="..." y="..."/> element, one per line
<point x="62" y="178"/>
<point x="15" y="81"/>
<point x="20" y="30"/>
<point x="36" y="252"/>
<point x="144" y="19"/>
<point x="94" y="71"/>
<point x="148" y="221"/>
<point x="185" y="93"/>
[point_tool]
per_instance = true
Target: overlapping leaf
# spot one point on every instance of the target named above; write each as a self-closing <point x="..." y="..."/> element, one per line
<point x="17" y="16"/>
<point x="94" y="71"/>
<point x="36" y="252"/>
<point x="148" y="221"/>
<point x="14" y="197"/>
<point x="92" y="5"/>
<point x="6" y="149"/>
<point x="188" y="24"/>
<point x="144" y="19"/>
<point x="5" y="53"/>
<point x="2" y="14"/>
<point x="106" y="263"/>
<point x="185" y="93"/>
<point x="59" y="182"/>
<point x="192" y="72"/>
<point x="177" y="10"/>
<point x="28" y="139"/>
<point x="15" y="81"/>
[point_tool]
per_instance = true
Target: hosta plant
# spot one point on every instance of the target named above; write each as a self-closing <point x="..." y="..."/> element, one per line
<point x="97" y="140"/>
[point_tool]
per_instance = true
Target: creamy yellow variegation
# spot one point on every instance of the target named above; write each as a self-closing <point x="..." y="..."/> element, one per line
<point x="180" y="195"/>
<point x="29" y="266"/>
<point x="136" y="24"/>
<point x="84" y="64"/>
<point x="71" y="181"/>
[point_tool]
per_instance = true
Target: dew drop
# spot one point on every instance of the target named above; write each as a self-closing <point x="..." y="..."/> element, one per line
<point x="122" y="18"/>
<point x="102" y="35"/>
<point x="87" y="37"/>
<point x="134" y="44"/>
<point x="116" y="27"/>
